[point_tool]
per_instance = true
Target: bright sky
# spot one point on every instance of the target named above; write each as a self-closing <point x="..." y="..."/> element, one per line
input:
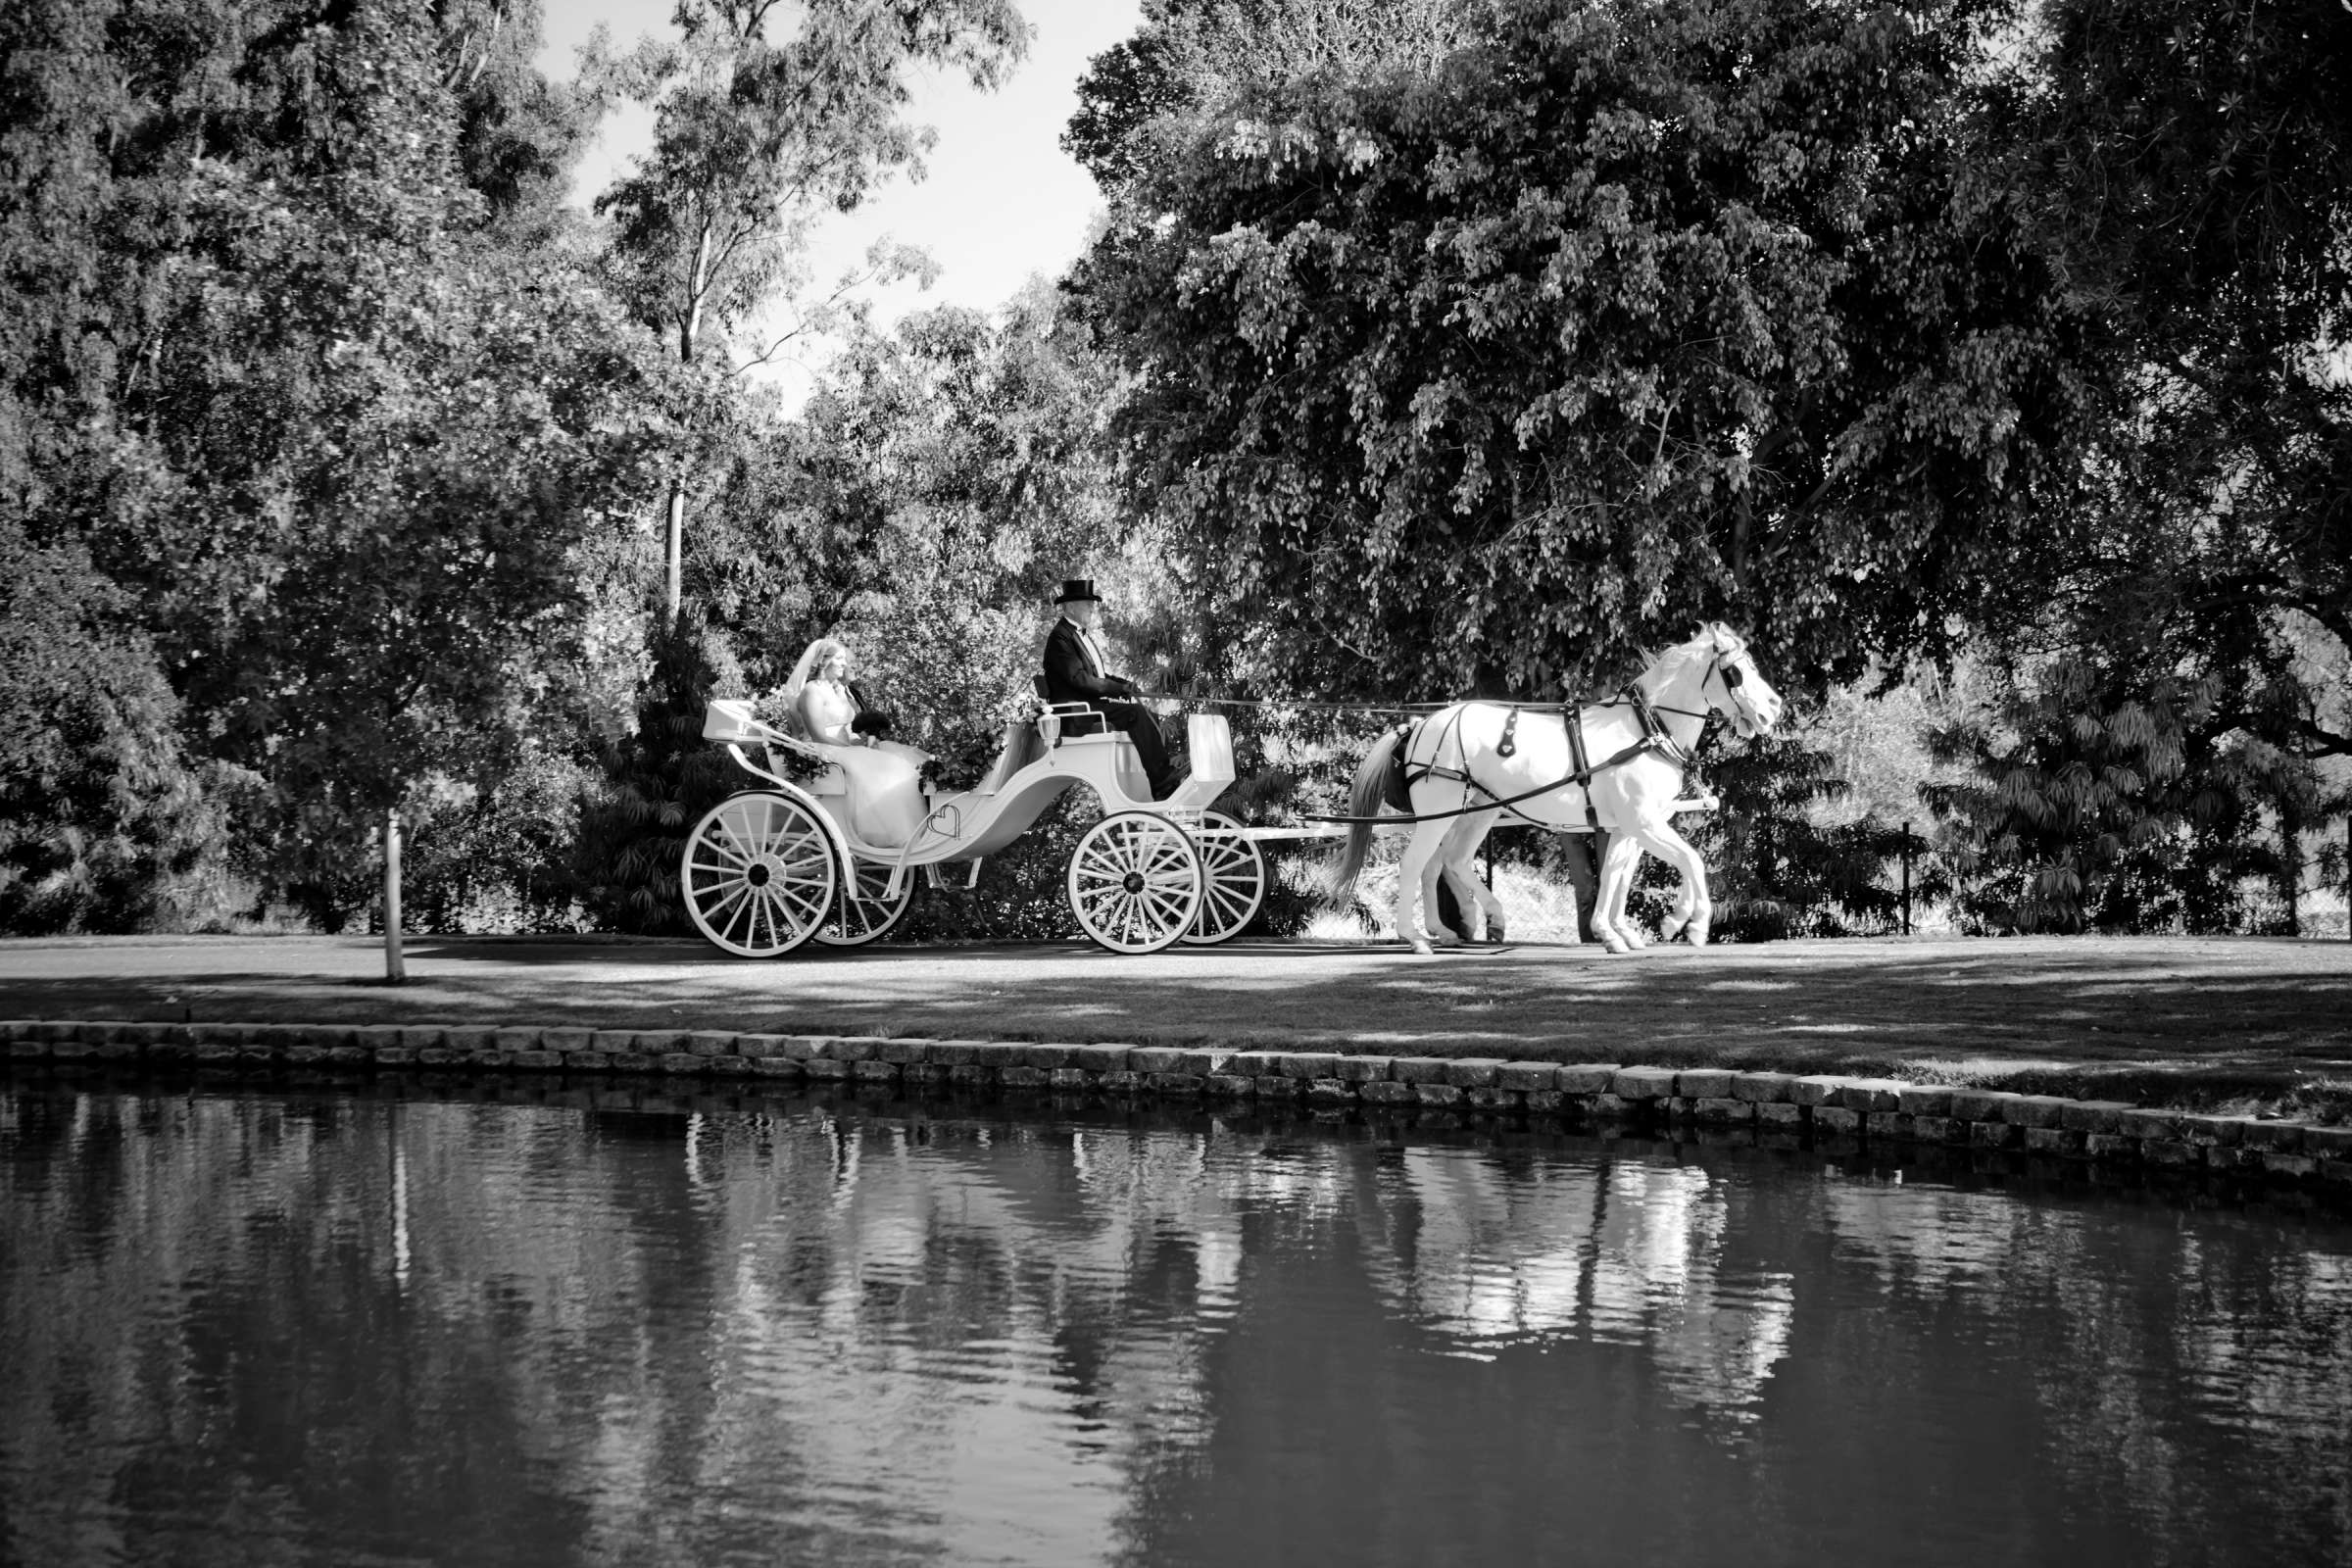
<point x="1001" y="201"/>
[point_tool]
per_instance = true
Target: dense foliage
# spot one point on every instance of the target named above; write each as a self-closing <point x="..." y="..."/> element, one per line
<point x="252" y="273"/>
<point x="1619" y="316"/>
<point x="1476" y="348"/>
<point x="1428" y="347"/>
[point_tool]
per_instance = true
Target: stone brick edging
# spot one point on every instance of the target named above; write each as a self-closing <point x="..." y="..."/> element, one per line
<point x="1868" y="1111"/>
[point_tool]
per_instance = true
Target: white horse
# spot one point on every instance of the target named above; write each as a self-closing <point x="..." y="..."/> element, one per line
<point x="1617" y="766"/>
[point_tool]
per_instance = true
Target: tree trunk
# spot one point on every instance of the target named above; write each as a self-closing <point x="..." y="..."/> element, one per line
<point x="677" y="546"/>
<point x="396" y="969"/>
<point x="2290" y="860"/>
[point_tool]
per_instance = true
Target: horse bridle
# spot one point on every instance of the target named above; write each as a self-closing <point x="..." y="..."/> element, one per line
<point x="1719" y="667"/>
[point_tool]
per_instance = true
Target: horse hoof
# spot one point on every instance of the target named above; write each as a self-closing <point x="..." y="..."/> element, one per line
<point x="1615" y="943"/>
<point x="1445" y="939"/>
<point x="1422" y="948"/>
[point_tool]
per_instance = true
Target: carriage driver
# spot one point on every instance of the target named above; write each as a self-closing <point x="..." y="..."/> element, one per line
<point x="1076" y="674"/>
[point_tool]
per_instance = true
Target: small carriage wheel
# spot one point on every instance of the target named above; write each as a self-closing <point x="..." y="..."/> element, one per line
<point x="866" y="912"/>
<point x="758" y="874"/>
<point x="1233" y="878"/>
<point x="1135" y="882"/>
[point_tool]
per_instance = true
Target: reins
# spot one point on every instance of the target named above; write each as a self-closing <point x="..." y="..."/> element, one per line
<point x="1655" y="738"/>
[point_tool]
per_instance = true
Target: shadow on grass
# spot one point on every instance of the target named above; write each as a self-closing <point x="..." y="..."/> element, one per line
<point x="1972" y="1011"/>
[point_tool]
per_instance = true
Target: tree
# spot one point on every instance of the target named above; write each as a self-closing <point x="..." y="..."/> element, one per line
<point x="2191" y="157"/>
<point x="2181" y="686"/>
<point x="100" y="812"/>
<point x="344" y="439"/>
<point x="1622" y="316"/>
<point x="1191" y="55"/>
<point x="756" y="135"/>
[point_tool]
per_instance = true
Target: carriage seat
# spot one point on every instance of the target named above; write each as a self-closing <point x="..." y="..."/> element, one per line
<point x="1065" y="721"/>
<point x="731" y="721"/>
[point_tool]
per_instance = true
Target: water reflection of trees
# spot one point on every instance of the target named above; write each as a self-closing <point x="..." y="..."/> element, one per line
<point x="2165" y="1335"/>
<point x="812" y="1334"/>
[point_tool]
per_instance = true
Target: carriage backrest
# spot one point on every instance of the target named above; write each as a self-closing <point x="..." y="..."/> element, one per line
<point x="1210" y="740"/>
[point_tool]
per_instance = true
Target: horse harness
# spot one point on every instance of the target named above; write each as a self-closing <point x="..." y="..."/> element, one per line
<point x="1405" y="772"/>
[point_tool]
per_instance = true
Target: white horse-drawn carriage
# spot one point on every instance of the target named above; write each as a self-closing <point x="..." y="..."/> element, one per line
<point x="779" y="866"/>
<point x="776" y="866"/>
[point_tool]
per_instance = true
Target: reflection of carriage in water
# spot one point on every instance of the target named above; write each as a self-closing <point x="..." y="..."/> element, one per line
<point x="770" y="868"/>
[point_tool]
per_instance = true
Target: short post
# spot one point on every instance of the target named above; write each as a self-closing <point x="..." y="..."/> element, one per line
<point x="396" y="969"/>
<point x="1906" y="860"/>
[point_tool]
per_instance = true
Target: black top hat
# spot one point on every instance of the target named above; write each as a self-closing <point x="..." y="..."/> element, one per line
<point x="1076" y="588"/>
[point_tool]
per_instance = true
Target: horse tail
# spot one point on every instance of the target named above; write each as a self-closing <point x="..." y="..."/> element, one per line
<point x="1363" y="804"/>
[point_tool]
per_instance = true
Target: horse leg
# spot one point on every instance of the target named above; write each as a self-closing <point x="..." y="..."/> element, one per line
<point x="1448" y="866"/>
<point x="1609" y="922"/>
<point x="1432" y="910"/>
<point x="1685" y="899"/>
<point x="1693" y="911"/>
<point x="1479" y="906"/>
<point x="1443" y="935"/>
<point x="1417" y="856"/>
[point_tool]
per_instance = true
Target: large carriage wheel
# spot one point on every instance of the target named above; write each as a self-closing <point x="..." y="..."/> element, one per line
<point x="1233" y="876"/>
<point x="866" y="912"/>
<point x="758" y="874"/>
<point x="1135" y="882"/>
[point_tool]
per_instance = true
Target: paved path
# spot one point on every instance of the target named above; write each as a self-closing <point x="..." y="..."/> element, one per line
<point x="2234" y="1006"/>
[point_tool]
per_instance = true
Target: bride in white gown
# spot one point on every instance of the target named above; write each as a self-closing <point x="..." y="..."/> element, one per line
<point x="885" y="799"/>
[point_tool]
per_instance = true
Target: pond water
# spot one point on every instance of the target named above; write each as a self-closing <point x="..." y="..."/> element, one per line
<point x="258" y="1328"/>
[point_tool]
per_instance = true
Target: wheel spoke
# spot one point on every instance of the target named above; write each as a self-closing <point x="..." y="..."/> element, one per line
<point x="1134" y="882"/>
<point x="801" y="875"/>
<point x="808" y="908"/>
<point x="1232" y="880"/>
<point x="767" y="827"/>
<point x="726" y="848"/>
<point x="788" y="839"/>
<point x="734" y="894"/>
<point x="744" y="914"/>
<point x="743" y="828"/>
<point x="774" y="839"/>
